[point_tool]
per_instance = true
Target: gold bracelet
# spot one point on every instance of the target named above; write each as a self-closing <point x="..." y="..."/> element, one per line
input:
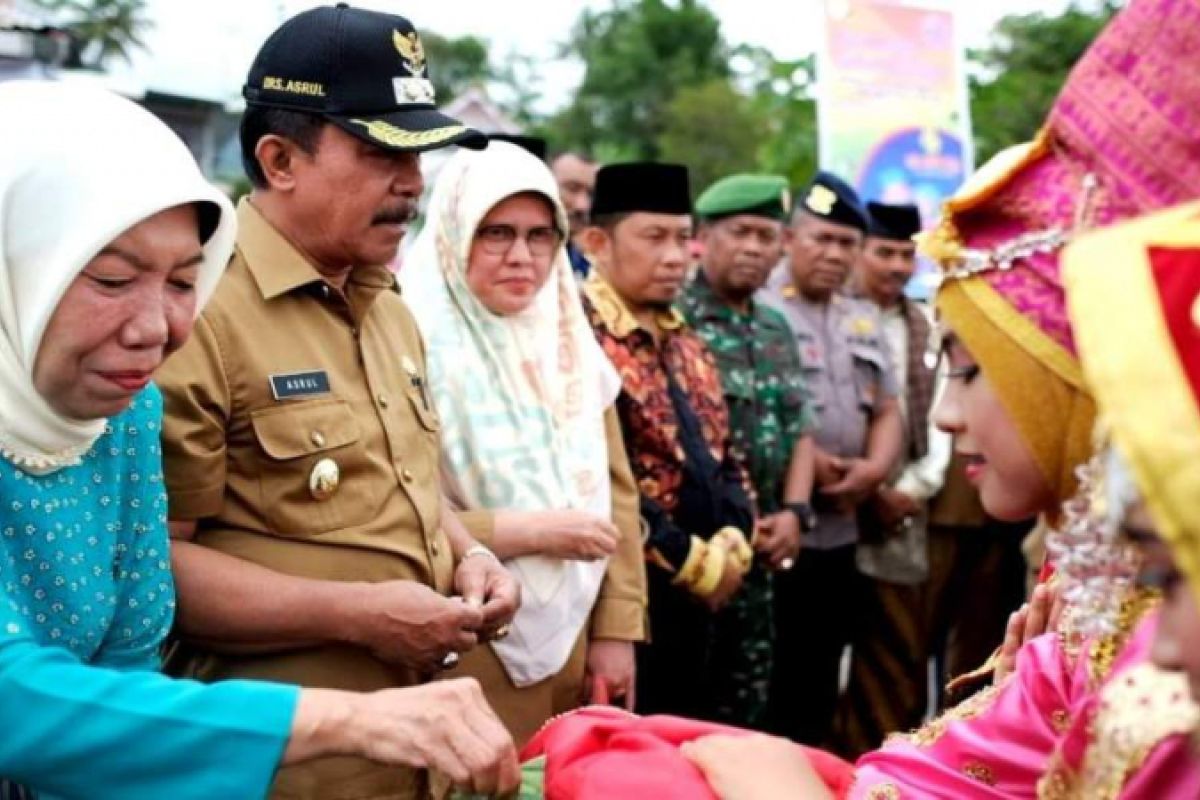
<point x="739" y="548"/>
<point x="714" y="571"/>
<point x="693" y="565"/>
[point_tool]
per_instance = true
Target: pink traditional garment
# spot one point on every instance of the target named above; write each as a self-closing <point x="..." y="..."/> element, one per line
<point x="1132" y="740"/>
<point x="996" y="744"/>
<point x="598" y="753"/>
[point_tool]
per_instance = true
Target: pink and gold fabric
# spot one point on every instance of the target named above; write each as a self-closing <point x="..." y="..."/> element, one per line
<point x="997" y="744"/>
<point x="1132" y="740"/>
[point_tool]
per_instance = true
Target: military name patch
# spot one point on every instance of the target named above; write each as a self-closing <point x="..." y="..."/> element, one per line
<point x="294" y="87"/>
<point x="300" y="384"/>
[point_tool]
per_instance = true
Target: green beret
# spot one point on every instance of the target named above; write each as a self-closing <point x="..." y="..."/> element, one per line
<point x="761" y="195"/>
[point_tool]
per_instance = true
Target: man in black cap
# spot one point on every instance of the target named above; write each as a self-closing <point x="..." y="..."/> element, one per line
<point x="695" y="495"/>
<point x="888" y="677"/>
<point x="313" y="544"/>
<point x="848" y="369"/>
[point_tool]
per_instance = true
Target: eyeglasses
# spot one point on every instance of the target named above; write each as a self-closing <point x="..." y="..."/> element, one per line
<point x="498" y="240"/>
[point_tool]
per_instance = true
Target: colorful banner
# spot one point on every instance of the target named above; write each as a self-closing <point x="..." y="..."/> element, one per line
<point x="892" y="106"/>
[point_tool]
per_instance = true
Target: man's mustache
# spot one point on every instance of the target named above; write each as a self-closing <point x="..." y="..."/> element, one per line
<point x="401" y="215"/>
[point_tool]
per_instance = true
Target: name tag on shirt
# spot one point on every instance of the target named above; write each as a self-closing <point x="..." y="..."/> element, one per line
<point x="300" y="384"/>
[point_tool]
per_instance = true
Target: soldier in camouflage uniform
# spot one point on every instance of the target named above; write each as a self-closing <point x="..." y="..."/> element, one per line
<point x="742" y="231"/>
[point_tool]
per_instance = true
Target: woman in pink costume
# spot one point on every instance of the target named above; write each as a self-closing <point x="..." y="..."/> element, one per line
<point x="1120" y="140"/>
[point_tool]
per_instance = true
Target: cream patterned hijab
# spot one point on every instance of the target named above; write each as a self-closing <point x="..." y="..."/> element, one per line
<point x="522" y="397"/>
<point x="78" y="167"/>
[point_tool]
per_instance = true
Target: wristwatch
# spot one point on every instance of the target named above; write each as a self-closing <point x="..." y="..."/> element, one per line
<point x="804" y="513"/>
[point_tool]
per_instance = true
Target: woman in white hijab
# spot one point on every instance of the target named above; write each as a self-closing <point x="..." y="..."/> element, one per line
<point x="110" y="243"/>
<point x="529" y="434"/>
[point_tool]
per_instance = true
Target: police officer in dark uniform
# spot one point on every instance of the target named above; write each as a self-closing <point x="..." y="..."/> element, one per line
<point x="848" y="370"/>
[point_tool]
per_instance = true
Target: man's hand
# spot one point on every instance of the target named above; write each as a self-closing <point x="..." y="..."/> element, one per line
<point x="894" y="506"/>
<point x="405" y="622"/>
<point x="777" y="538"/>
<point x="827" y="469"/>
<point x="486" y="585"/>
<point x="575" y="535"/>
<point x="755" y="767"/>
<point x="856" y="484"/>
<point x="610" y="673"/>
<point x="445" y="725"/>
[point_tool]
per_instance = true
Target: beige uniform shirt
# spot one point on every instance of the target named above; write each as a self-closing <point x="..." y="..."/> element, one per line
<point x="284" y="380"/>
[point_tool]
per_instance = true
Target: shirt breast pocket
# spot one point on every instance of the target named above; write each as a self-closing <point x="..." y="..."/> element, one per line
<point x="868" y="374"/>
<point x="421" y="400"/>
<point x="314" y="474"/>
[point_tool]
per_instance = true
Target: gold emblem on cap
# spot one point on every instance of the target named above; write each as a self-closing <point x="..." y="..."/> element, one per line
<point x="324" y="479"/>
<point x="785" y="200"/>
<point x="412" y="52"/>
<point x="820" y="200"/>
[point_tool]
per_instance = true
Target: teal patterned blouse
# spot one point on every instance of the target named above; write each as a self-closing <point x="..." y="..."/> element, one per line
<point x="86" y="599"/>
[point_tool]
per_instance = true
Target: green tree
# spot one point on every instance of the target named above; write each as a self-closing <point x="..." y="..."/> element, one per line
<point x="101" y="29"/>
<point x="519" y="83"/>
<point x="456" y="63"/>
<point x="780" y="94"/>
<point x="711" y="128"/>
<point x="1018" y="74"/>
<point x="637" y="54"/>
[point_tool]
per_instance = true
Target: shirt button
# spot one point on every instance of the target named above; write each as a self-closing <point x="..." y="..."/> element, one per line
<point x="383" y="401"/>
<point x="325" y="290"/>
<point x="317" y="438"/>
<point x="434" y="549"/>
<point x="406" y="476"/>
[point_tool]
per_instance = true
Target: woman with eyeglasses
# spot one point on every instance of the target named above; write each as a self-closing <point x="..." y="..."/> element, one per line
<point x="532" y="448"/>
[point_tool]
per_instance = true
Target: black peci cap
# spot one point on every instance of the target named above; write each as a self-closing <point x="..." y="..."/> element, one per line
<point x="532" y="144"/>
<point x="642" y="186"/>
<point x="830" y="198"/>
<point x="893" y="221"/>
<point x="364" y="71"/>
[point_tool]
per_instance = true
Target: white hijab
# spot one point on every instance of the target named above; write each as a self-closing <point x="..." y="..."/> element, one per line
<point x="78" y="167"/>
<point x="521" y="397"/>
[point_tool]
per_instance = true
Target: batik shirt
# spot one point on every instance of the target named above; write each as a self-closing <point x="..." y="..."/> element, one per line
<point x="655" y="434"/>
<point x="769" y="409"/>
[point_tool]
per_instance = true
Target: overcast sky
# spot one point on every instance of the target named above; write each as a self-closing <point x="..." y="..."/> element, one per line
<point x="204" y="48"/>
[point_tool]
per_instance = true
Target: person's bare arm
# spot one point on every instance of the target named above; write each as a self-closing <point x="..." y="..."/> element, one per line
<point x="885" y="438"/>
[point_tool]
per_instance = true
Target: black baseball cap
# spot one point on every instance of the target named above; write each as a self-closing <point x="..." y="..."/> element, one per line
<point x="364" y="71"/>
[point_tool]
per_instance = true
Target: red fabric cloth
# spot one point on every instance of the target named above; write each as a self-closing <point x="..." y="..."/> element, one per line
<point x="600" y="753"/>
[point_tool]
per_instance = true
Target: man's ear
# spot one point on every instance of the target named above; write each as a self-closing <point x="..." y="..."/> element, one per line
<point x="277" y="158"/>
<point x="596" y="243"/>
